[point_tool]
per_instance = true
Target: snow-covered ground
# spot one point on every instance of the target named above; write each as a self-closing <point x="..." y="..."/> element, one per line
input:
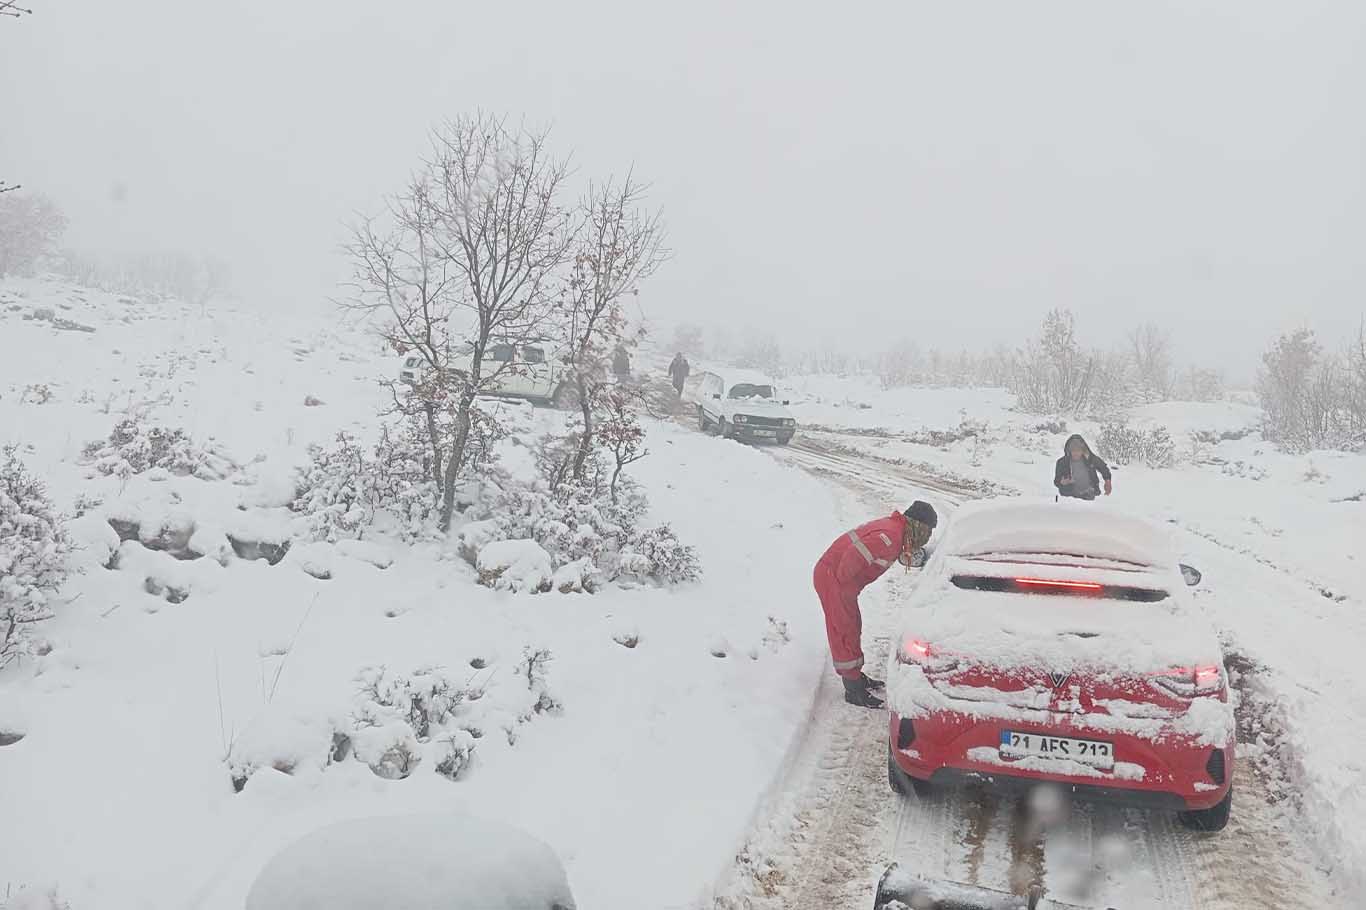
<point x="677" y="705"/>
<point x="644" y="759"/>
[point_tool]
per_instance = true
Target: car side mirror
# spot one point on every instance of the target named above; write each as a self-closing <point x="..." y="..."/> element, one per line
<point x="1191" y="575"/>
<point x="785" y="401"/>
<point x="717" y="396"/>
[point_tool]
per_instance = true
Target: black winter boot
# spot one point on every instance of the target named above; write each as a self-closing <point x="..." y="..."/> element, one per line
<point x="870" y="683"/>
<point x="856" y="693"/>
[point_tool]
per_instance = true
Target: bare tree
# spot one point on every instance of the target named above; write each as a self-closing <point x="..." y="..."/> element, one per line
<point x="1053" y="375"/>
<point x="620" y="433"/>
<point x="470" y="255"/>
<point x="619" y="246"/>
<point x="30" y="227"/>
<point x="1150" y="348"/>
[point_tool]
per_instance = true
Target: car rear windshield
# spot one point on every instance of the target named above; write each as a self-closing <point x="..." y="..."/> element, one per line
<point x="745" y="390"/>
<point x="1026" y="585"/>
<point x="533" y="355"/>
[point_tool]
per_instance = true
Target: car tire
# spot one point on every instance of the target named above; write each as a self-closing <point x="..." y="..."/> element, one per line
<point x="1211" y="820"/>
<point x="721" y="429"/>
<point x="895" y="778"/>
<point x="900" y="781"/>
<point x="702" y="423"/>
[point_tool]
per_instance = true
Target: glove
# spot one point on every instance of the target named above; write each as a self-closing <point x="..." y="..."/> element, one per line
<point x="856" y="693"/>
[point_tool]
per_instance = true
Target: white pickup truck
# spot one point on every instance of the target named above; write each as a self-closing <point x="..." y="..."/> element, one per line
<point x="749" y="411"/>
<point x="527" y="372"/>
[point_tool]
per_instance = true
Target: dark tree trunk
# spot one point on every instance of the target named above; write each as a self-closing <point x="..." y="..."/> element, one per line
<point x="454" y="461"/>
<point x="586" y="437"/>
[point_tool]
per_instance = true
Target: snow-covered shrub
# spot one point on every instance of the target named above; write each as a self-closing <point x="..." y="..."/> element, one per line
<point x="34" y="548"/>
<point x="1159" y="449"/>
<point x="658" y="555"/>
<point x="457" y="748"/>
<point x="1121" y="444"/>
<point x="344" y="487"/>
<point x="390" y="749"/>
<point x="134" y="448"/>
<point x="333" y="491"/>
<point x="424" y="699"/>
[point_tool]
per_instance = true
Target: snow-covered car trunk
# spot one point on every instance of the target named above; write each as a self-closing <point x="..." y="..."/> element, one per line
<point x="1070" y="653"/>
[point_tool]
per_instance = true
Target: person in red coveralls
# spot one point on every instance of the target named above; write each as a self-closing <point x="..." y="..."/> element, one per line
<point x="853" y="562"/>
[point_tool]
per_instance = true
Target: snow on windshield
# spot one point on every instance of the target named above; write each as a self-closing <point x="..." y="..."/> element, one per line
<point x="748" y="390"/>
<point x="1080" y="529"/>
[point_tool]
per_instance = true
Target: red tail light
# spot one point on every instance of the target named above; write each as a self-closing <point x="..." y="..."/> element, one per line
<point x="1062" y="585"/>
<point x="922" y="654"/>
<point x="1192" y="682"/>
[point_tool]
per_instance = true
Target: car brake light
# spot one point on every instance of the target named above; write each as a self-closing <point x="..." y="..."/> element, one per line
<point x="1192" y="682"/>
<point x="921" y="654"/>
<point x="1065" y="585"/>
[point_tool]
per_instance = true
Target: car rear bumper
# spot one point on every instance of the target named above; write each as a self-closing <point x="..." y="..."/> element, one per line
<point x="1176" y="773"/>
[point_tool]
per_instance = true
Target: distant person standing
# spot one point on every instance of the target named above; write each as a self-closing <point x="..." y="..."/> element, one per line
<point x="678" y="372"/>
<point x="1079" y="471"/>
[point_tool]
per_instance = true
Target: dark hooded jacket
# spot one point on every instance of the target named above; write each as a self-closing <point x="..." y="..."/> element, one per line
<point x="1093" y="462"/>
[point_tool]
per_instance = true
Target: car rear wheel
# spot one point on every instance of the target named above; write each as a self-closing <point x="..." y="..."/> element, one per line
<point x="722" y="430"/>
<point x="1210" y="820"/>
<point x="702" y="423"/>
<point x="900" y="781"/>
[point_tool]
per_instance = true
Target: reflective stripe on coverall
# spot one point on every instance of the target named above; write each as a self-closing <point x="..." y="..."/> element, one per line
<point x="853" y="562"/>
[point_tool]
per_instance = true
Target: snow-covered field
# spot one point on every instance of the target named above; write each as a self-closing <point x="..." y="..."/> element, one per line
<point x="676" y="706"/>
<point x="654" y="740"/>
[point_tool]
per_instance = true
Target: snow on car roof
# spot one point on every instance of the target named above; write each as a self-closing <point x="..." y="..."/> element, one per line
<point x="1084" y="529"/>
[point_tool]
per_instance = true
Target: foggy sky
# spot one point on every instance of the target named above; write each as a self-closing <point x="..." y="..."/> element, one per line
<point x="858" y="172"/>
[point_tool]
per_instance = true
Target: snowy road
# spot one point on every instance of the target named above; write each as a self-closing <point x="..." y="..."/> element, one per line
<point x="832" y="824"/>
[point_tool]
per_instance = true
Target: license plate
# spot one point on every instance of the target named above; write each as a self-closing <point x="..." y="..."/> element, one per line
<point x="1091" y="752"/>
<point x="765" y="432"/>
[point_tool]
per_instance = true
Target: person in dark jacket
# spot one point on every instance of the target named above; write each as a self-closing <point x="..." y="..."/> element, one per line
<point x="1080" y="471"/>
<point x="678" y="371"/>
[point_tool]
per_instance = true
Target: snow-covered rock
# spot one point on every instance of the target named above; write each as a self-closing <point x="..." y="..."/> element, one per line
<point x="515" y="565"/>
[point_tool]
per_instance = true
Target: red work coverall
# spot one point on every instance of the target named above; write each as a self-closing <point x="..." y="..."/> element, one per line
<point x="853" y="562"/>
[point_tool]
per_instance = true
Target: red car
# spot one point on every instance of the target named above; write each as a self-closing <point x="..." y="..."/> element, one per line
<point x="1058" y="641"/>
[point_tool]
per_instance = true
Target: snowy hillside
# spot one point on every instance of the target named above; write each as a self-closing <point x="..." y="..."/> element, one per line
<point x="194" y="657"/>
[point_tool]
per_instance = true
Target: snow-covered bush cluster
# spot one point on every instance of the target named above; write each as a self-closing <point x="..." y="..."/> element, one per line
<point x="399" y="715"/>
<point x="586" y="537"/>
<point x="33" y="555"/>
<point x="1121" y="444"/>
<point x="134" y="448"/>
<point x="344" y="488"/>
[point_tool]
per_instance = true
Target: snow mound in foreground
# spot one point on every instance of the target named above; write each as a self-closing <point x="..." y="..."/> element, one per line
<point x="455" y="862"/>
